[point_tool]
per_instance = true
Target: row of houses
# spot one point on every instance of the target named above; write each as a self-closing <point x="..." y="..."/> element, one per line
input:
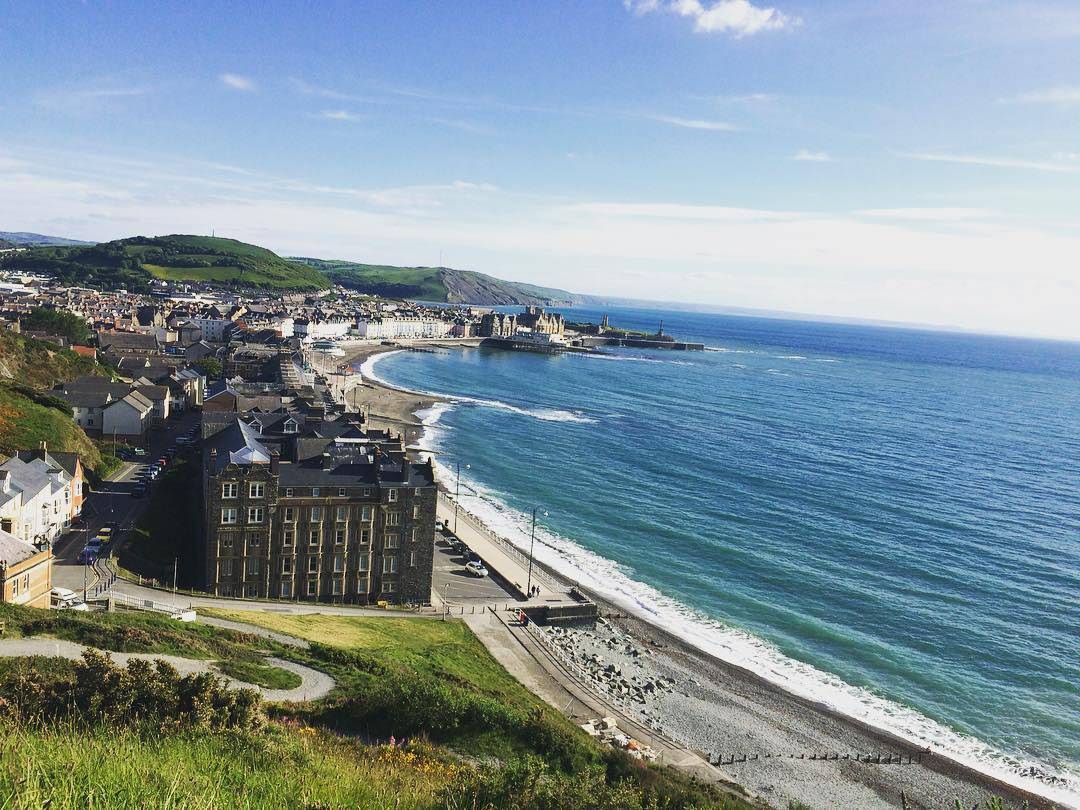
<point x="41" y="494"/>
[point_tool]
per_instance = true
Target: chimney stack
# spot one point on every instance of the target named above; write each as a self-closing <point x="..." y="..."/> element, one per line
<point x="275" y="459"/>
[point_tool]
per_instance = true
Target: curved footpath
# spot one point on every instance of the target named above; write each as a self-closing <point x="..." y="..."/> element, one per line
<point x="314" y="684"/>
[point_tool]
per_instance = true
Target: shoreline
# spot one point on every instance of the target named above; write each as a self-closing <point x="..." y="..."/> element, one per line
<point x="723" y="707"/>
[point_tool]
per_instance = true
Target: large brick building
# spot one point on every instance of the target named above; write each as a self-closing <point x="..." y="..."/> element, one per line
<point x="324" y="511"/>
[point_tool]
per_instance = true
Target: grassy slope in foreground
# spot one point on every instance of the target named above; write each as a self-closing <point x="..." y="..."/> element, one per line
<point x="135" y="261"/>
<point x="297" y="760"/>
<point x="440" y="284"/>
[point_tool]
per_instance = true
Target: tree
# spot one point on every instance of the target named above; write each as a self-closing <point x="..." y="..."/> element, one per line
<point x="57" y="322"/>
<point x="210" y="367"/>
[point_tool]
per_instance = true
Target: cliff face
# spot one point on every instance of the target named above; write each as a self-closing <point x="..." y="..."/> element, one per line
<point x="465" y="287"/>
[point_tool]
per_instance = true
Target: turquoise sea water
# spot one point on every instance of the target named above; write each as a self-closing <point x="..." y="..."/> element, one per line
<point x="884" y="519"/>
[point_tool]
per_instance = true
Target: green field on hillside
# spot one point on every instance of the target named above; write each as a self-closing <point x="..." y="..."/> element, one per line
<point x="133" y="262"/>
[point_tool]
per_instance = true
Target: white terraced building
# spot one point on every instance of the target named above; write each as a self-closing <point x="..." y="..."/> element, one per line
<point x="398" y="328"/>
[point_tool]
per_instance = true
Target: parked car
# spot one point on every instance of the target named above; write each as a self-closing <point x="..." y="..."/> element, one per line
<point x="105" y="533"/>
<point x="476" y="568"/>
<point x="139" y="452"/>
<point x="88" y="556"/>
<point x="472" y="556"/>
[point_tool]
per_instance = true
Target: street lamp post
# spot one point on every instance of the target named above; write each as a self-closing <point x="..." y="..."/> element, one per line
<point x="457" y="494"/>
<point x="532" y="543"/>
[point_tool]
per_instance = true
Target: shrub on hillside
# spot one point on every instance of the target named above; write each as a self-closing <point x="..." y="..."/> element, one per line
<point x="143" y="693"/>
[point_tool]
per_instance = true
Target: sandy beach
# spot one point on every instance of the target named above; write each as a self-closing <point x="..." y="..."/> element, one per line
<point x="724" y="710"/>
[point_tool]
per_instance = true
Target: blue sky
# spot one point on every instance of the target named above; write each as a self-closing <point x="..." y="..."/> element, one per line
<point x="908" y="161"/>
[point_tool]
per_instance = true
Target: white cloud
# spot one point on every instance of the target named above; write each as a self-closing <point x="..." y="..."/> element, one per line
<point x="714" y="213"/>
<point x="235" y="81"/>
<point x="1062" y="96"/>
<point x="995" y="162"/>
<point x="1067" y="156"/>
<point x="812" y="157"/>
<point x="737" y="17"/>
<point x="927" y="214"/>
<point x="340" y="115"/>
<point x="81" y="99"/>
<point x="693" y="123"/>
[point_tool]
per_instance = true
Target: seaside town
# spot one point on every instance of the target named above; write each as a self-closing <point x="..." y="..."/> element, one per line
<point x="627" y="405"/>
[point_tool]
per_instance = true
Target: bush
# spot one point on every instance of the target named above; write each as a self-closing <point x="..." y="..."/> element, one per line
<point x="143" y="693"/>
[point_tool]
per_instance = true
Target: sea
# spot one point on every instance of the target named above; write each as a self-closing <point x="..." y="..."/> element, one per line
<point x="886" y="520"/>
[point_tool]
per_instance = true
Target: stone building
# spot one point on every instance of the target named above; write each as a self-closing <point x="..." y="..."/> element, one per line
<point x="25" y="572"/>
<point x="497" y="325"/>
<point x="334" y="513"/>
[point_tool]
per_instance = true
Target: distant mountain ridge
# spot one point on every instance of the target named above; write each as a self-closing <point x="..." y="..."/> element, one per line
<point x="27" y="239"/>
<point x="134" y="262"/>
<point x="438" y="284"/>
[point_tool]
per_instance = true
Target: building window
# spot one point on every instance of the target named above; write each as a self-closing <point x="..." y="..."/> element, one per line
<point x="255" y="514"/>
<point x="286" y="590"/>
<point x="229" y="489"/>
<point x="316" y="514"/>
<point x="392" y="540"/>
<point x="252" y="566"/>
<point x="389" y="565"/>
<point x="367" y="492"/>
<point x="287" y="537"/>
<point x="286" y="565"/>
<point x="314" y="492"/>
<point x="339" y="563"/>
<point x="363" y="563"/>
<point x="365" y="514"/>
<point x="335" y="587"/>
<point x="365" y="536"/>
<point x="290" y="514"/>
<point x="288" y="492"/>
<point x="339" y="536"/>
<point x="226" y="543"/>
<point x="315" y="537"/>
<point x="391" y="495"/>
<point x="254" y="540"/>
<point x="342" y="514"/>
<point x="312" y="563"/>
<point x="389" y="586"/>
<point x="393" y="518"/>
<point x="256" y="489"/>
<point x="412" y="559"/>
<point x="311" y="587"/>
<point x="341" y="492"/>
<point x="226" y="567"/>
<point x="251" y="591"/>
<point x="415" y="533"/>
<point x="228" y="516"/>
<point x="416" y="510"/>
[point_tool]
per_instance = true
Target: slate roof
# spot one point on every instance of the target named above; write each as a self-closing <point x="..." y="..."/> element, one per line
<point x="13" y="550"/>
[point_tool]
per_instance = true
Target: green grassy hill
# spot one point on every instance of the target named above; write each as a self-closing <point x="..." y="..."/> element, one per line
<point x="28" y="415"/>
<point x="477" y="740"/>
<point x="440" y="284"/>
<point x="134" y="262"/>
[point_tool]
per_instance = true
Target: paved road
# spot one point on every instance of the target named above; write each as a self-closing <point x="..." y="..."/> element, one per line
<point x="454" y="586"/>
<point x="111" y="502"/>
<point x="314" y="684"/>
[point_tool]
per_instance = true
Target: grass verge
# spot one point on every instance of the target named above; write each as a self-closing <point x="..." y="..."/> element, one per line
<point x="265" y="675"/>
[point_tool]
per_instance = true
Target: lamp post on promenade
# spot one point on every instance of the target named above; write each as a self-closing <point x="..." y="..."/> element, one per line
<point x="532" y="542"/>
<point x="457" y="494"/>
